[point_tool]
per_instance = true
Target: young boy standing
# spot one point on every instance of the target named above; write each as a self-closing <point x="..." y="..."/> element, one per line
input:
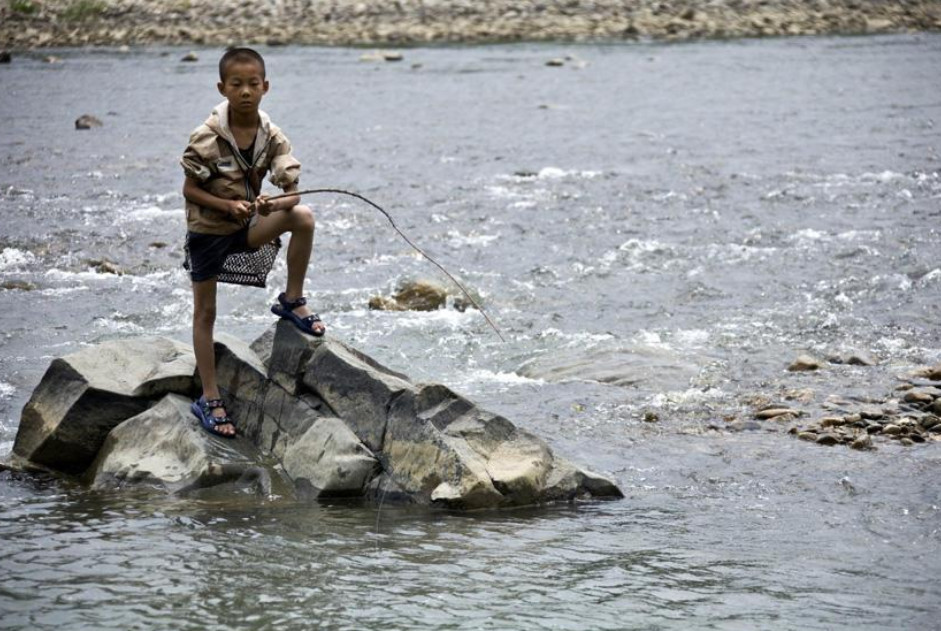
<point x="224" y="164"/>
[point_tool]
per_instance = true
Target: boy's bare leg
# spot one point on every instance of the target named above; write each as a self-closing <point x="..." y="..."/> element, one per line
<point x="299" y="221"/>
<point x="204" y="319"/>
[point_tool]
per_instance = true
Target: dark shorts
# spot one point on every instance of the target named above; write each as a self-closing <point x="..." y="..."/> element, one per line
<point x="207" y="252"/>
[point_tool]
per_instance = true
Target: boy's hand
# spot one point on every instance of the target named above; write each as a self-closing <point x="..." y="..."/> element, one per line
<point x="239" y="208"/>
<point x="263" y="206"/>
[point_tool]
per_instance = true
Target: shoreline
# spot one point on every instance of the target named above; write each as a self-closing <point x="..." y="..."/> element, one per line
<point x="31" y="24"/>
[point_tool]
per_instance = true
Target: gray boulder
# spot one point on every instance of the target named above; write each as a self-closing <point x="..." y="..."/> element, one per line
<point x="165" y="448"/>
<point x="329" y="461"/>
<point x="316" y="419"/>
<point x="85" y="395"/>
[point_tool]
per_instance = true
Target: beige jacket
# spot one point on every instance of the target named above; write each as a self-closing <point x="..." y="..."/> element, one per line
<point x="213" y="160"/>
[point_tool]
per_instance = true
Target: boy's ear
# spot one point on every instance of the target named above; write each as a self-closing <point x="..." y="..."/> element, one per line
<point x="221" y="87"/>
<point x="264" y="86"/>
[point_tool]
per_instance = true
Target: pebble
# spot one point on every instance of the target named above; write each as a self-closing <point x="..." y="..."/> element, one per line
<point x="828" y="439"/>
<point x="555" y="63"/>
<point x="853" y="359"/>
<point x="832" y="421"/>
<point x="5" y="57"/>
<point x="871" y="413"/>
<point x="807" y="436"/>
<point x="863" y="442"/>
<point x="21" y="285"/>
<point x="891" y="430"/>
<point x="804" y="363"/>
<point x="918" y="395"/>
<point x="104" y="266"/>
<point x="775" y="412"/>
<point x="929" y="422"/>
<point x="87" y="121"/>
<point x="190" y="57"/>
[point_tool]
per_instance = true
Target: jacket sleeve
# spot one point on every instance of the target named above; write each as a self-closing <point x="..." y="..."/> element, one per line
<point x="200" y="154"/>
<point x="285" y="168"/>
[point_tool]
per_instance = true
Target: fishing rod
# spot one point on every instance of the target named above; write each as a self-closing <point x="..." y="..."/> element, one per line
<point x="314" y="191"/>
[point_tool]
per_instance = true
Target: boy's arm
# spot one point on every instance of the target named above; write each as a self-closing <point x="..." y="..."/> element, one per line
<point x="238" y="208"/>
<point x="265" y="207"/>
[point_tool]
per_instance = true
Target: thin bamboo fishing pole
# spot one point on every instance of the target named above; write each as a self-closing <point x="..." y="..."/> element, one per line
<point x="338" y="191"/>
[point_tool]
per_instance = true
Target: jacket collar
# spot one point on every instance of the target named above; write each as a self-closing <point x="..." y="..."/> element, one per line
<point x="218" y="122"/>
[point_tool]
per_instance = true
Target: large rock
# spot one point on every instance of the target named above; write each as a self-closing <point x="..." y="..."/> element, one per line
<point x="329" y="461"/>
<point x="164" y="447"/>
<point x="330" y="419"/>
<point x="355" y="386"/>
<point x="85" y="395"/>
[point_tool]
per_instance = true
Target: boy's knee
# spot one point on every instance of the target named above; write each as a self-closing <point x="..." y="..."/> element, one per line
<point x="303" y="217"/>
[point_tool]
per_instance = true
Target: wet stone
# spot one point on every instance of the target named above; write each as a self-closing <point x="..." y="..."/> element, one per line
<point x="16" y="284"/>
<point x="929" y="422"/>
<point x="807" y="435"/>
<point x="871" y="413"/>
<point x="804" y="363"/>
<point x="87" y="121"/>
<point x="190" y="57"/>
<point x="908" y="442"/>
<point x="862" y="442"/>
<point x="891" y="430"/>
<point x="832" y="421"/>
<point x="771" y="413"/>
<point x="919" y="395"/>
<point x="828" y="439"/>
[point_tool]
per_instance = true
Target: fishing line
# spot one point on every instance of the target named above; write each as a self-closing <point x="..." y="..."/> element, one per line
<point x="338" y="191"/>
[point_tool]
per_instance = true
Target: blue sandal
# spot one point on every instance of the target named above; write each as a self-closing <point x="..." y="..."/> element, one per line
<point x="202" y="409"/>
<point x="285" y="309"/>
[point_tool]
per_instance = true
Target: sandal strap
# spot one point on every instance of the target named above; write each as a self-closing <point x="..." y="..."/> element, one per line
<point x="213" y="404"/>
<point x="312" y="318"/>
<point x="291" y="305"/>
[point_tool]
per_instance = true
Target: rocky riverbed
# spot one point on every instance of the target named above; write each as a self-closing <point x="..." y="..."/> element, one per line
<point x="26" y="24"/>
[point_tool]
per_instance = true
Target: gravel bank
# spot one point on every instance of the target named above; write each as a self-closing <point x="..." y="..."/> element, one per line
<point x="26" y="24"/>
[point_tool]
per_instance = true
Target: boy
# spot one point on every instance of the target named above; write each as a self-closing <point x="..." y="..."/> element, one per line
<point x="224" y="164"/>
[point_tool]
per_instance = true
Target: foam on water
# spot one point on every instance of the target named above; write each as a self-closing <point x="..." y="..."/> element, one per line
<point x="150" y="213"/>
<point x="458" y="240"/>
<point x="13" y="259"/>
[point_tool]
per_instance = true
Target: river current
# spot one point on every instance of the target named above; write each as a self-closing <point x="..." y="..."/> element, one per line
<point x="658" y="230"/>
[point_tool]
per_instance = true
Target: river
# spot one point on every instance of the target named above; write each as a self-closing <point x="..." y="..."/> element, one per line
<point x="657" y="229"/>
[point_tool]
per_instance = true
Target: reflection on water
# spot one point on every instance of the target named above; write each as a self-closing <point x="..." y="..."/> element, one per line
<point x="658" y="234"/>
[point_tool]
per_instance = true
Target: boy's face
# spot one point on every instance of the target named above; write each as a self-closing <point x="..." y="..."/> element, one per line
<point x="243" y="86"/>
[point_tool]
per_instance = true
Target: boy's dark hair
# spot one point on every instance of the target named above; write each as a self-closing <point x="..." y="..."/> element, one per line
<point x="240" y="55"/>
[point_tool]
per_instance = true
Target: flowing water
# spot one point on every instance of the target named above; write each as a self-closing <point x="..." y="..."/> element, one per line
<point x="657" y="229"/>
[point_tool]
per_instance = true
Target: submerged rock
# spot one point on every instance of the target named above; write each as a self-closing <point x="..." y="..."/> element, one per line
<point x="316" y="418"/>
<point x="412" y="296"/>
<point x="87" y="121"/>
<point x="804" y="363"/>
